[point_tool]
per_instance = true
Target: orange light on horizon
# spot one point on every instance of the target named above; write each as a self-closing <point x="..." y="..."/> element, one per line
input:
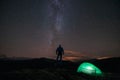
<point x="103" y="58"/>
<point x="70" y="58"/>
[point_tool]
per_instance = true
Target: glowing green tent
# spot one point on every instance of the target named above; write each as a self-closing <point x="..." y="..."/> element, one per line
<point x="89" y="69"/>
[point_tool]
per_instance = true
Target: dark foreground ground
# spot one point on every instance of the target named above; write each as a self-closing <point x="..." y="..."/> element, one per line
<point x="48" y="69"/>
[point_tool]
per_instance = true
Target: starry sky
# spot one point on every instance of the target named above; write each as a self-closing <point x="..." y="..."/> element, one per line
<point x="34" y="28"/>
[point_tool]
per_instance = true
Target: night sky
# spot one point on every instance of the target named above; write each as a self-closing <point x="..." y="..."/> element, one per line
<point x="34" y="28"/>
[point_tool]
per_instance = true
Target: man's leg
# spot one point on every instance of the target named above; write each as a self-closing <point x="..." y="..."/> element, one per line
<point x="60" y="57"/>
<point x="57" y="58"/>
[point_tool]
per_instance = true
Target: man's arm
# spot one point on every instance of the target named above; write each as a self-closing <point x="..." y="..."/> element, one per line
<point x="56" y="51"/>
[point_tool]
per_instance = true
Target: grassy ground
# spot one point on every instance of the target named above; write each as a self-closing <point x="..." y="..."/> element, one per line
<point x="45" y="69"/>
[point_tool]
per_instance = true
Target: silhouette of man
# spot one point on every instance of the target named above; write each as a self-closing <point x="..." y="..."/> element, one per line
<point x="59" y="52"/>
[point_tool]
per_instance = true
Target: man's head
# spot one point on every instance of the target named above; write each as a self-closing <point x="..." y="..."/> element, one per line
<point x="59" y="45"/>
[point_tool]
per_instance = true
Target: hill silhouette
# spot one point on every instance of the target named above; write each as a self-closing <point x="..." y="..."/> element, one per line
<point x="49" y="69"/>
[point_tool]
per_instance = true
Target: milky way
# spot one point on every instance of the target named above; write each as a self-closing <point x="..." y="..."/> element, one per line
<point x="55" y="13"/>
